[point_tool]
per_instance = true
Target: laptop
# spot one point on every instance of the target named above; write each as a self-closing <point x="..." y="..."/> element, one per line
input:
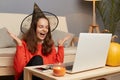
<point x="92" y="50"/>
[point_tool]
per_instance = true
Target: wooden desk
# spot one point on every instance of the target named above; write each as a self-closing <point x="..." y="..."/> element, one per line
<point x="48" y="75"/>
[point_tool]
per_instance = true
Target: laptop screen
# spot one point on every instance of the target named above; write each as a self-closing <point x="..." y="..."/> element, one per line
<point x="91" y="51"/>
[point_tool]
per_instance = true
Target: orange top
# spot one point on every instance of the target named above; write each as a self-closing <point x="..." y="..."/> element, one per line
<point x="23" y="56"/>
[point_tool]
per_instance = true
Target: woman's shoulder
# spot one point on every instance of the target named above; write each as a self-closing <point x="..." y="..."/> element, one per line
<point x="23" y="42"/>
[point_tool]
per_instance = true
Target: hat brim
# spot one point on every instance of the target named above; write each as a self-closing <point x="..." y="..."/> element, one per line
<point x="54" y="21"/>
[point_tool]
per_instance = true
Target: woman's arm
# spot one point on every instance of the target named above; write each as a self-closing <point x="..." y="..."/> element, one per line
<point x="60" y="54"/>
<point x="60" y="51"/>
<point x="20" y="58"/>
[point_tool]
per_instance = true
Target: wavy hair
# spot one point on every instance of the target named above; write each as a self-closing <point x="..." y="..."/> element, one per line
<point x="31" y="39"/>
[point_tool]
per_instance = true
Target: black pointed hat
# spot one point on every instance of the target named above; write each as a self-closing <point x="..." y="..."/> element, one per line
<point x="37" y="12"/>
<point x="25" y="24"/>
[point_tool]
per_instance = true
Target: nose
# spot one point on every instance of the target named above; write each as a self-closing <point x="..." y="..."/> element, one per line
<point x="45" y="29"/>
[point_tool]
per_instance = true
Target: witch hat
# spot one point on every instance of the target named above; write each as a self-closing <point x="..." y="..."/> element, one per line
<point x="37" y="12"/>
<point x="25" y="24"/>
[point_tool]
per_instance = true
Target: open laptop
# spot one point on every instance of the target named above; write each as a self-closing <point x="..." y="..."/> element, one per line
<point x="92" y="50"/>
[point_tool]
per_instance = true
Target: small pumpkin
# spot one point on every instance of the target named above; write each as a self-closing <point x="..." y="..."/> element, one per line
<point x="113" y="58"/>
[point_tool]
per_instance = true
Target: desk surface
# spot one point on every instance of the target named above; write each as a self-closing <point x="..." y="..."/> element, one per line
<point x="48" y="75"/>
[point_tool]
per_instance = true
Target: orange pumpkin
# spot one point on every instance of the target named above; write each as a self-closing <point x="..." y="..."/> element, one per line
<point x="113" y="58"/>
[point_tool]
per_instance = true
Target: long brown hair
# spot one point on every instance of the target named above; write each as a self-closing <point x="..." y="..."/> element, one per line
<point x="31" y="38"/>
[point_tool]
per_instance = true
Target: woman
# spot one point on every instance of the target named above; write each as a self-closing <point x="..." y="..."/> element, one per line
<point x="37" y="47"/>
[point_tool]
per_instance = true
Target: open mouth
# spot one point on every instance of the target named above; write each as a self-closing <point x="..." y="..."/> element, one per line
<point x="42" y="35"/>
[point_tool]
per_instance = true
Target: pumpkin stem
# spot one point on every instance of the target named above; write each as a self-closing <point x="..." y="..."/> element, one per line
<point x="113" y="38"/>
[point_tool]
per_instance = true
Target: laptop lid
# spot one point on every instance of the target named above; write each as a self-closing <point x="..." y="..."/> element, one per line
<point x="92" y="50"/>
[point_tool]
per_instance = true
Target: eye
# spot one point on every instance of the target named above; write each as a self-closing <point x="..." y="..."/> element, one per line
<point x="40" y="26"/>
<point x="46" y="27"/>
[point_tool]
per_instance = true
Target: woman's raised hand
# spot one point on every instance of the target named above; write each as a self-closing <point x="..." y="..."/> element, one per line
<point x="61" y="42"/>
<point x="18" y="41"/>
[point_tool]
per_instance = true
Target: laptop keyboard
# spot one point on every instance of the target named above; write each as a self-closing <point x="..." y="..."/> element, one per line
<point x="69" y="67"/>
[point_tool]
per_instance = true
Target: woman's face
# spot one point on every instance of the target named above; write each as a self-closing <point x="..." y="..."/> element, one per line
<point x="42" y="29"/>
